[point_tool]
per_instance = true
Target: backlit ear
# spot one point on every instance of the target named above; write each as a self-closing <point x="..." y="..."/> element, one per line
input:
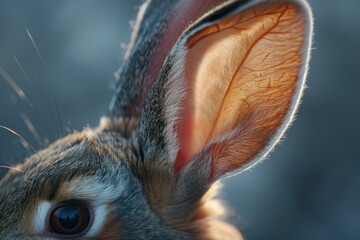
<point x="230" y="86"/>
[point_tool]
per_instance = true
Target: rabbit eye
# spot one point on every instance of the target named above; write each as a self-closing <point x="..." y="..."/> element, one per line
<point x="69" y="219"/>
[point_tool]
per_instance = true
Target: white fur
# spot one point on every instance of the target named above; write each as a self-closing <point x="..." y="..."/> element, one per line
<point x="95" y="189"/>
<point x="40" y="215"/>
<point x="100" y="214"/>
<point x="138" y="21"/>
<point x="174" y="95"/>
<point x="134" y="34"/>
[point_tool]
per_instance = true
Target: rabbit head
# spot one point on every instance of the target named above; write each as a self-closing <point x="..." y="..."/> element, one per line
<point x="206" y="90"/>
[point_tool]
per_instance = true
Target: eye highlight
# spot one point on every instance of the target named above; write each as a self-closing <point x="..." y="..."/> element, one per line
<point x="70" y="218"/>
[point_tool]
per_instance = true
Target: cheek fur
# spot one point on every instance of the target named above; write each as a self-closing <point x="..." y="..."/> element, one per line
<point x="112" y="229"/>
<point x="40" y="216"/>
<point x="100" y="215"/>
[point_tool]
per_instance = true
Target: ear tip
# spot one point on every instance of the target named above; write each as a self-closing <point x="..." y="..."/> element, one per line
<point x="306" y="9"/>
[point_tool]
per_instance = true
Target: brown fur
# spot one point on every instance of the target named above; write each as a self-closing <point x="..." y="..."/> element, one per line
<point x="170" y="102"/>
<point x="113" y="223"/>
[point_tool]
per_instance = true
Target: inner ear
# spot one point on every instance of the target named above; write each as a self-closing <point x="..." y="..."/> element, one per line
<point x="241" y="66"/>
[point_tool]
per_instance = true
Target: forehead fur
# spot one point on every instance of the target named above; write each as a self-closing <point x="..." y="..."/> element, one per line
<point x="89" y="144"/>
<point x="55" y="173"/>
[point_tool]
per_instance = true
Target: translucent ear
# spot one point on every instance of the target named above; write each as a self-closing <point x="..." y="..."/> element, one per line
<point x="232" y="84"/>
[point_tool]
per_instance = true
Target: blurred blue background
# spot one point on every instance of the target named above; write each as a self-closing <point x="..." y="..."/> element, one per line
<point x="309" y="188"/>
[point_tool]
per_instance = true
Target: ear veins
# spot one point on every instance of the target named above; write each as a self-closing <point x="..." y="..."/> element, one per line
<point x="242" y="73"/>
<point x="232" y="82"/>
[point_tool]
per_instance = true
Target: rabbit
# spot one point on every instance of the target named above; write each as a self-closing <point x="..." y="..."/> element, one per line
<point x="206" y="90"/>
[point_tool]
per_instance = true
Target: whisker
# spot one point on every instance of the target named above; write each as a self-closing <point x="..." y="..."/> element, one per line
<point x="23" y="141"/>
<point x="32" y="129"/>
<point x="41" y="121"/>
<point x="11" y="168"/>
<point x="15" y="169"/>
<point x="22" y="95"/>
<point x="22" y="69"/>
<point x="37" y="96"/>
<point x="59" y="122"/>
<point x="35" y="46"/>
<point x="14" y="86"/>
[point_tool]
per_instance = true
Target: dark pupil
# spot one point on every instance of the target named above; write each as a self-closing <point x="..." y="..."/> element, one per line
<point x="69" y="219"/>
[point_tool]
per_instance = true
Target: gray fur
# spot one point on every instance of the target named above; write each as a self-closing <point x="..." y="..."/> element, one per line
<point x="131" y="147"/>
<point x="138" y="220"/>
<point x="130" y="82"/>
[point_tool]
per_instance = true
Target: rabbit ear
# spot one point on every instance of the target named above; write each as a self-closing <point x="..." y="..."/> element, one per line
<point x="157" y="28"/>
<point x="229" y="88"/>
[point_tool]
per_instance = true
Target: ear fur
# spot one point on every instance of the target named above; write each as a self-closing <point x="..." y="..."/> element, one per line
<point x="158" y="26"/>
